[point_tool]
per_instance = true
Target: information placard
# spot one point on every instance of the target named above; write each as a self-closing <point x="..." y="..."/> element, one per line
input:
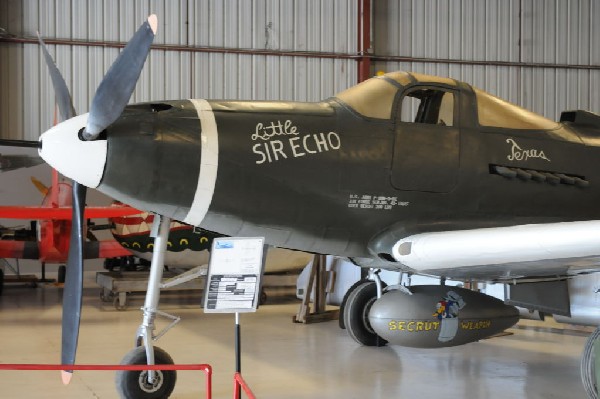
<point x="235" y="269"/>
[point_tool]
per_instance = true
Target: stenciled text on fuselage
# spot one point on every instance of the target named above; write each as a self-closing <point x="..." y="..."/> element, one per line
<point x="290" y="143"/>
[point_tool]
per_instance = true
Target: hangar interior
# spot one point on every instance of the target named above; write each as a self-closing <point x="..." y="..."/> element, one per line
<point x="542" y="56"/>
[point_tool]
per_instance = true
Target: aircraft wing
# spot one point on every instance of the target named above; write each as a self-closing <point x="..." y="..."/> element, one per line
<point x="64" y="213"/>
<point x="500" y="253"/>
<point x="11" y="249"/>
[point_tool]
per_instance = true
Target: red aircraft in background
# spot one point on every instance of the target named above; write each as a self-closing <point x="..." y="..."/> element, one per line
<point x="50" y="243"/>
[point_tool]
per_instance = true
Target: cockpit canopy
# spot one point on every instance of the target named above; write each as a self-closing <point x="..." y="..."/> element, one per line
<point x="375" y="98"/>
<point x="495" y="112"/>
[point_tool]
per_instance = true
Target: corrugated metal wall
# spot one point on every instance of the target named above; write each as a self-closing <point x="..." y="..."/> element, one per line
<point x="528" y="45"/>
<point x="321" y="25"/>
<point x="536" y="40"/>
<point x="11" y="74"/>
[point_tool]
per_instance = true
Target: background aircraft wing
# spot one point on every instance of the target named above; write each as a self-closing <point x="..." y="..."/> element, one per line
<point x="104" y="249"/>
<point x="11" y="249"/>
<point x="64" y="213"/>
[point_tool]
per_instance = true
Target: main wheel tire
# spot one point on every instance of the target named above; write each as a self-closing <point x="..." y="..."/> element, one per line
<point x="588" y="369"/>
<point x="1" y="281"/>
<point x="341" y="322"/>
<point x="134" y="384"/>
<point x="356" y="314"/>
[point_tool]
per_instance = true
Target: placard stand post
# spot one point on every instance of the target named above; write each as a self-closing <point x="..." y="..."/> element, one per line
<point x="233" y="282"/>
<point x="238" y="350"/>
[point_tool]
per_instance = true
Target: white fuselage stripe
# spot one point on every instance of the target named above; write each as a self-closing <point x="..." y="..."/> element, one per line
<point x="209" y="162"/>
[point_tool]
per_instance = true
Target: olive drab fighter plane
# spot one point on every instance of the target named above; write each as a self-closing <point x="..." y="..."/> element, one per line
<point x="404" y="172"/>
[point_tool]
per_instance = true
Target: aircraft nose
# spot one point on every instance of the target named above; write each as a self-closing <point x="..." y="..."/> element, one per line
<point x="82" y="161"/>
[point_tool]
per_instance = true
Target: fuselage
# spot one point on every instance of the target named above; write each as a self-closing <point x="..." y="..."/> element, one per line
<point x="326" y="178"/>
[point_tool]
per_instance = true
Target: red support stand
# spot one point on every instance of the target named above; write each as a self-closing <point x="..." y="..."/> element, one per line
<point x="238" y="382"/>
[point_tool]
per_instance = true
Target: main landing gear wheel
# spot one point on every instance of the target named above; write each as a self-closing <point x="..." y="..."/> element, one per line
<point x="588" y="369"/>
<point x="356" y="314"/>
<point x="135" y="384"/>
<point x="345" y="299"/>
<point x="1" y="281"/>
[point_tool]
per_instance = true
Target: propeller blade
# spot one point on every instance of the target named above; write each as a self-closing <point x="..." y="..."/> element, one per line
<point x="119" y="82"/>
<point x="63" y="97"/>
<point x="73" y="283"/>
<point x="20" y="143"/>
<point x="12" y="162"/>
<point x="42" y="188"/>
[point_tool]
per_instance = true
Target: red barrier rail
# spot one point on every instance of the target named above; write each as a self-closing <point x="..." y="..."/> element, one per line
<point x="238" y="381"/>
<point x="127" y="367"/>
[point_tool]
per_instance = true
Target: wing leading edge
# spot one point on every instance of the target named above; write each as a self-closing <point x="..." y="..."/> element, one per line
<point x="566" y="248"/>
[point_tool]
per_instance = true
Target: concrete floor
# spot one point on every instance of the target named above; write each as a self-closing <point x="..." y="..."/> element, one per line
<point x="280" y="359"/>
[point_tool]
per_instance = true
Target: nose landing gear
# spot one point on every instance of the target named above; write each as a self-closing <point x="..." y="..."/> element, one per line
<point x="150" y="384"/>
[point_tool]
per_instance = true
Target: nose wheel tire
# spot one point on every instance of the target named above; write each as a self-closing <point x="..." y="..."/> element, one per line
<point x="356" y="314"/>
<point x="135" y="384"/>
